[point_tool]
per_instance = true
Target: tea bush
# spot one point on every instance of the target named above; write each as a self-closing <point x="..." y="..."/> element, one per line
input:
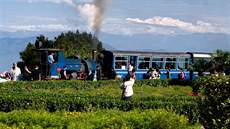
<point x="215" y="105"/>
<point x="135" y="119"/>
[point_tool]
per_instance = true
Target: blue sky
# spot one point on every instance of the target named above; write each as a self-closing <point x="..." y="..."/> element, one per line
<point x="168" y="25"/>
<point x="123" y="17"/>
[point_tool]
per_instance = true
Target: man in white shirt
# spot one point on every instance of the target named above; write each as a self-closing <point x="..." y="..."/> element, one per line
<point x="15" y="72"/>
<point x="127" y="88"/>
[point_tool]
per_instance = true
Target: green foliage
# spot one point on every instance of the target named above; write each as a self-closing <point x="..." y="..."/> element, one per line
<point x="220" y="60"/>
<point x="215" y="104"/>
<point x="201" y="64"/>
<point x="78" y="43"/>
<point x="136" y="119"/>
<point x="29" y="56"/>
<point x="43" y="42"/>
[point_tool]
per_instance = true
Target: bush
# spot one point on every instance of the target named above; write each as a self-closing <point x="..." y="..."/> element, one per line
<point x="135" y="119"/>
<point x="215" y="104"/>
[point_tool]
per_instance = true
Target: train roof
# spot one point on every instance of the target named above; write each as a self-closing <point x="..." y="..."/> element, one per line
<point x="144" y="53"/>
<point x="201" y="54"/>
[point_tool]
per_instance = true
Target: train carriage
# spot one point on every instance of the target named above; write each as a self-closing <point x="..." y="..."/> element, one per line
<point x="143" y="61"/>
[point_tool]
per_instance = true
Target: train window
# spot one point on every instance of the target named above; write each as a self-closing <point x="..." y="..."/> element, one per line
<point x="157" y="62"/>
<point x="143" y="62"/>
<point x="170" y="63"/>
<point x="121" y="62"/>
<point x="183" y="63"/>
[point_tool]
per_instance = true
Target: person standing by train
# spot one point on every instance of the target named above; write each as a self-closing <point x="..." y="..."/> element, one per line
<point x="127" y="88"/>
<point x="181" y="75"/>
<point x="130" y="69"/>
<point x="113" y="74"/>
<point x="153" y="74"/>
<point x="36" y="73"/>
<point x="26" y="73"/>
<point x="134" y="72"/>
<point x="15" y="72"/>
<point x="50" y="60"/>
<point x="168" y="73"/>
<point x="98" y="71"/>
<point x="63" y="73"/>
<point x="158" y="75"/>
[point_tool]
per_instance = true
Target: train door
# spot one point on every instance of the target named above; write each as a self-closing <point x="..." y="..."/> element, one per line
<point x="133" y="60"/>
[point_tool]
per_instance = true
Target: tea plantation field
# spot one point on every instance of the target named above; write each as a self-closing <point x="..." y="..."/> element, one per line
<point x="84" y="104"/>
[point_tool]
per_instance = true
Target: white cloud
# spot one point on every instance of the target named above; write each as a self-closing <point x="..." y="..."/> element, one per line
<point x="121" y="27"/>
<point x="199" y="27"/>
<point x="43" y="27"/>
<point x="68" y="2"/>
<point x="36" y="18"/>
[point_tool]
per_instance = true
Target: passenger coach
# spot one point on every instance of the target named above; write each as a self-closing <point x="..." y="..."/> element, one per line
<point x="143" y="61"/>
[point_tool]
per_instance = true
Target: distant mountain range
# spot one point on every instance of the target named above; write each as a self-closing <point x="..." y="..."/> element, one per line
<point x="9" y="51"/>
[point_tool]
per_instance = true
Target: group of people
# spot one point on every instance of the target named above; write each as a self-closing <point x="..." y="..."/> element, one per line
<point x="80" y="75"/>
<point x="14" y="74"/>
<point x="30" y="74"/>
<point x="25" y="74"/>
<point x="154" y="73"/>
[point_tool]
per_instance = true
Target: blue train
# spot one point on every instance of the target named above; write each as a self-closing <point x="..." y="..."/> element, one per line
<point x="120" y="60"/>
<point x="143" y="61"/>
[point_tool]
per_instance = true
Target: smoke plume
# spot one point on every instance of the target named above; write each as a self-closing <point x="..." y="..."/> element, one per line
<point x="94" y="14"/>
<point x="98" y="16"/>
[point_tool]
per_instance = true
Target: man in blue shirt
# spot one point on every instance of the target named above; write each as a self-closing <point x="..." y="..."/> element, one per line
<point x="50" y="60"/>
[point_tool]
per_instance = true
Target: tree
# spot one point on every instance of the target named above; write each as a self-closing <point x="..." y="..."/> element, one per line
<point x="43" y="42"/>
<point x="29" y="56"/>
<point x="78" y="44"/>
<point x="220" y="60"/>
<point x="201" y="64"/>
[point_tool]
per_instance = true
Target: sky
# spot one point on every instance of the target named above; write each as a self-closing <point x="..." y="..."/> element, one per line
<point x="150" y="25"/>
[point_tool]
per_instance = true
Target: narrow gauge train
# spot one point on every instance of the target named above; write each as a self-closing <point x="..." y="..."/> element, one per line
<point x="119" y="60"/>
<point x="142" y="61"/>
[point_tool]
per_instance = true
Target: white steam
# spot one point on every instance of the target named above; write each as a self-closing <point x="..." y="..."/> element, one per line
<point x="94" y="14"/>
